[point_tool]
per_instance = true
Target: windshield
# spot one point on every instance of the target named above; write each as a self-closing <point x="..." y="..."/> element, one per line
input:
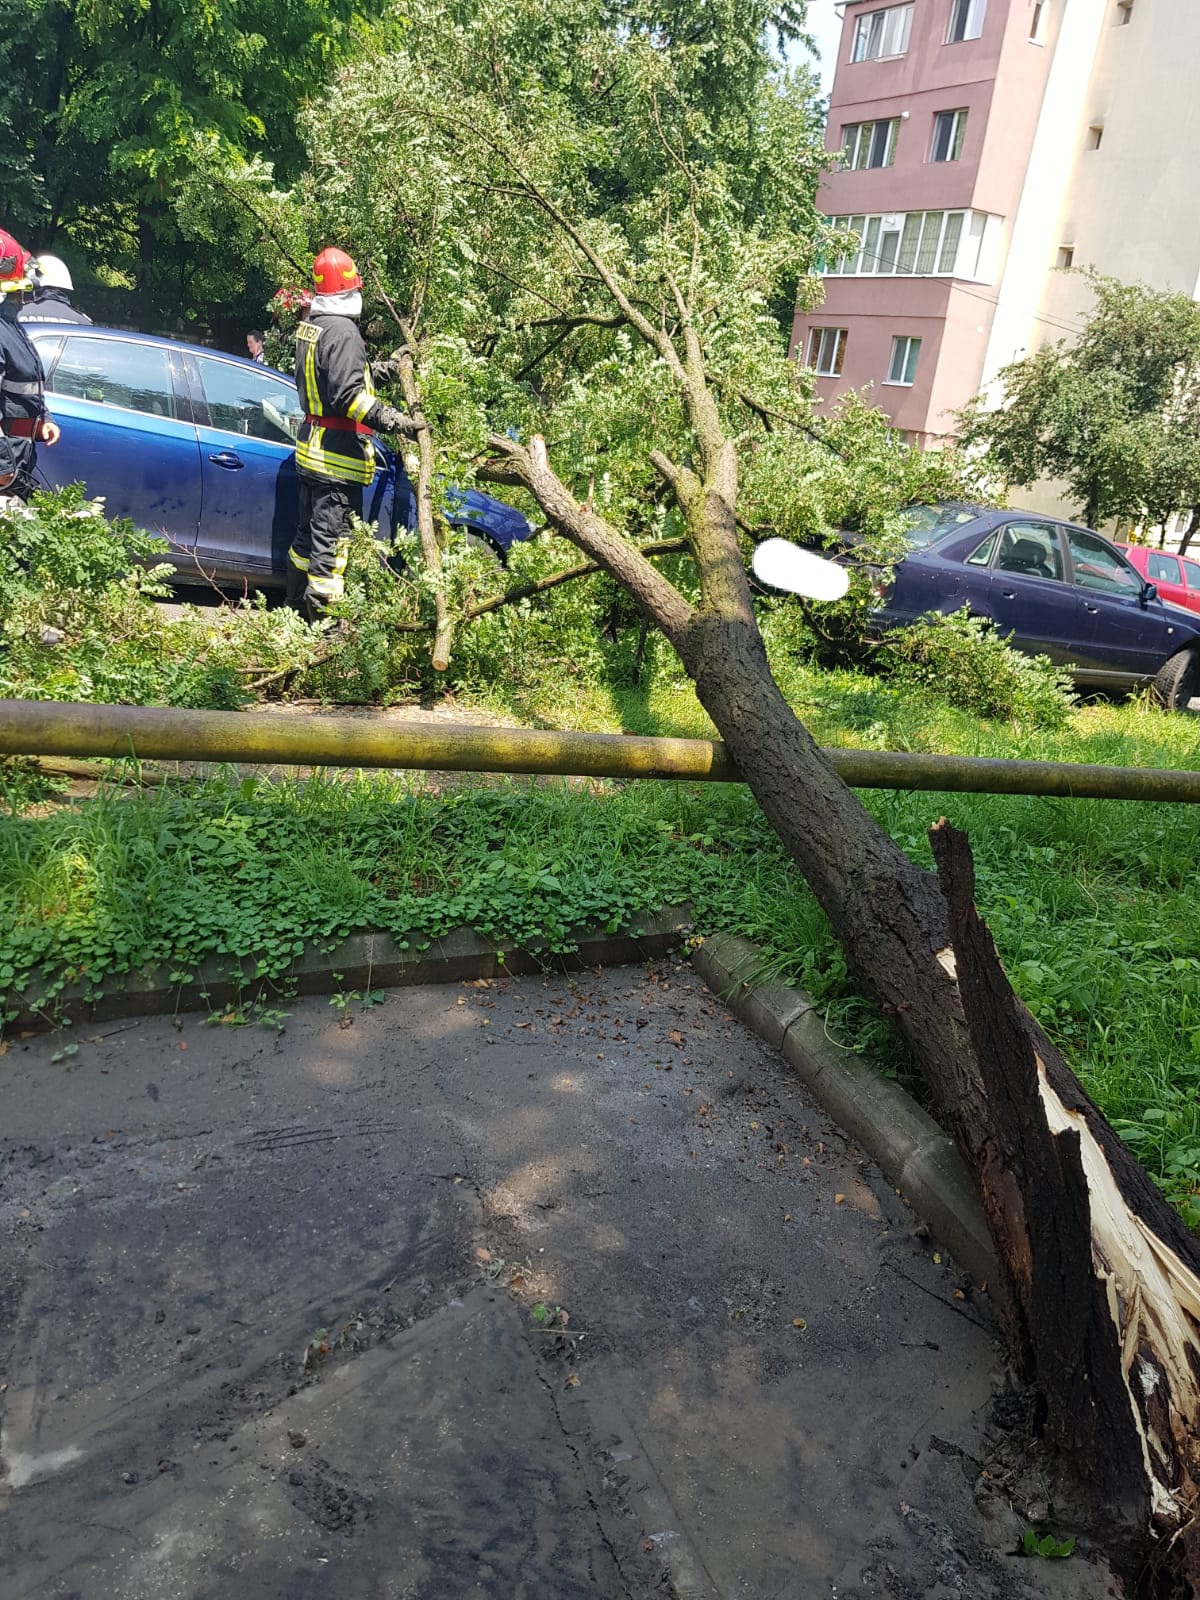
<point x="925" y="525"/>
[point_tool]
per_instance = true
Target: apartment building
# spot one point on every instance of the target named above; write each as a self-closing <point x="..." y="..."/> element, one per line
<point x="982" y="147"/>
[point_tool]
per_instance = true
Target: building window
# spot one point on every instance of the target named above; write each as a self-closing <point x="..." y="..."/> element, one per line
<point x="966" y="20"/>
<point x="1124" y="12"/>
<point x="913" y="244"/>
<point x="1095" y="136"/>
<point x="827" y="351"/>
<point x="1037" y="23"/>
<point x="904" y="361"/>
<point x="869" y="144"/>
<point x="882" y="33"/>
<point x="949" y="128"/>
<point x="1066" y="257"/>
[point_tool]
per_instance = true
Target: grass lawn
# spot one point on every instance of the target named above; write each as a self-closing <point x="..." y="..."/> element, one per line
<point x="1091" y="902"/>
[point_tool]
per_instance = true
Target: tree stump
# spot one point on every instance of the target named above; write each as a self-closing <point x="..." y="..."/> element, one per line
<point x="1103" y="1278"/>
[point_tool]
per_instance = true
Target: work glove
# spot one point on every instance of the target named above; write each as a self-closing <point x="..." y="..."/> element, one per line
<point x="386" y="368"/>
<point x="388" y="420"/>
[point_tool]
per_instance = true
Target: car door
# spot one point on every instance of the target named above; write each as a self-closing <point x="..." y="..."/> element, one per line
<point x="1028" y="597"/>
<point x="248" y="419"/>
<point x="1191" y="576"/>
<point x="1120" y="631"/>
<point x="127" y="433"/>
<point x="1165" y="572"/>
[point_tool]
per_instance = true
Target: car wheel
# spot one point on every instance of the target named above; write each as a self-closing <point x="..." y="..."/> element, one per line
<point x="1178" y="680"/>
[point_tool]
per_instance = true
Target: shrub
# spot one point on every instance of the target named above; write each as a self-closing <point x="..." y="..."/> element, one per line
<point x="964" y="661"/>
<point x="78" y="619"/>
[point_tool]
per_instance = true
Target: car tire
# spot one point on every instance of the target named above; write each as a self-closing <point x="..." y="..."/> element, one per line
<point x="1178" y="680"/>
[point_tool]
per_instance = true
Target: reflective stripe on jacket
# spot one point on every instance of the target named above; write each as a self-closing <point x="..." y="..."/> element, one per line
<point x="334" y="380"/>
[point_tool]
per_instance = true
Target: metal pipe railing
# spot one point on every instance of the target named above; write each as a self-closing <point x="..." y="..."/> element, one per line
<point x="150" y="733"/>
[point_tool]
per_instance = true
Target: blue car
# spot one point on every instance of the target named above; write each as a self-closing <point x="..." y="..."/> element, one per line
<point x="1054" y="589"/>
<point x="198" y="446"/>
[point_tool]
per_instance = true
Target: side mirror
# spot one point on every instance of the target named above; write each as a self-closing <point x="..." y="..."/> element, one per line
<point x="1149" y="592"/>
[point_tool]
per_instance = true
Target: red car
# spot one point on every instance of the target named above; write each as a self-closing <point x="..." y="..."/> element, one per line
<point x="1176" y="578"/>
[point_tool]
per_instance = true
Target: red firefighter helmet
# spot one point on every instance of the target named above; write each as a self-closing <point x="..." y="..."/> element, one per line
<point x="14" y="263"/>
<point x="334" y="272"/>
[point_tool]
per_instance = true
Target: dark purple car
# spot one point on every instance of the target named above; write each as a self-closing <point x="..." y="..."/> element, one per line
<point x="1053" y="589"/>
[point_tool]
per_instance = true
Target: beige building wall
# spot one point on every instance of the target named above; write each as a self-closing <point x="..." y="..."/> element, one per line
<point x="1131" y="206"/>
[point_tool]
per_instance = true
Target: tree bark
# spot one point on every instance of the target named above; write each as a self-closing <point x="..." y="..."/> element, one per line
<point x="428" y="531"/>
<point x="1190" y="532"/>
<point x="1105" y="1278"/>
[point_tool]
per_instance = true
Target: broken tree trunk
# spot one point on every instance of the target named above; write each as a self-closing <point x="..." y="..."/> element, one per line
<point x="1104" y="1278"/>
<point x="1096" y="1230"/>
<point x="1124" y="1249"/>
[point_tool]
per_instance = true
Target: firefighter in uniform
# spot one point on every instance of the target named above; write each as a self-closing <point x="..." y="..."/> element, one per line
<point x="335" y="459"/>
<point x="52" y="286"/>
<point x="23" y="419"/>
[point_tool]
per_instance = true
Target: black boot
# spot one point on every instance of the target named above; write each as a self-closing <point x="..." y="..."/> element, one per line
<point x="297" y="583"/>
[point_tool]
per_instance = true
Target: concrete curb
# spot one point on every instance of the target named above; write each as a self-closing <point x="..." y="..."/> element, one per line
<point x="915" y="1155"/>
<point x="363" y="961"/>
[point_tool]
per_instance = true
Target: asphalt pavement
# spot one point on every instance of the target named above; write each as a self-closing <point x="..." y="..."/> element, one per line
<point x="556" y="1287"/>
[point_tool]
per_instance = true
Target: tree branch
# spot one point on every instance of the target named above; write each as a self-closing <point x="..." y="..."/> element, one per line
<point x="653" y="336"/>
<point x="427" y="527"/>
<point x="530" y="468"/>
<point x="684" y="483"/>
<point x="524" y="591"/>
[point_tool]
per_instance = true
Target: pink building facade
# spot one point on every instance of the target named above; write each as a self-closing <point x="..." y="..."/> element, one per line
<point x="934" y="108"/>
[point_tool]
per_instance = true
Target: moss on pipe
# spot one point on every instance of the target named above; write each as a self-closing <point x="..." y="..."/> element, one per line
<point x="150" y="733"/>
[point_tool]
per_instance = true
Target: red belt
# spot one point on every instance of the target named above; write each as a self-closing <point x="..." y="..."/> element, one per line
<point x="338" y="424"/>
<point x="22" y="427"/>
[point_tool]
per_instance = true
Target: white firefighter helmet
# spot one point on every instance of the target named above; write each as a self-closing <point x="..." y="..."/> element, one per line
<point x="48" y="272"/>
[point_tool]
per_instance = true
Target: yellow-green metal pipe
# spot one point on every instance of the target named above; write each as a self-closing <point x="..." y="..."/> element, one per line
<point x="149" y="733"/>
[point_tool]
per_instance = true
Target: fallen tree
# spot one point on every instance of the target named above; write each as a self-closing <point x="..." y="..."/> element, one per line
<point x="1101" y="1282"/>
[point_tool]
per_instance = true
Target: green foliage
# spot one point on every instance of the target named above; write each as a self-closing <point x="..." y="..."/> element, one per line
<point x="1045" y="1546"/>
<point x="850" y="472"/>
<point x="964" y="661"/>
<point x="23" y="783"/>
<point x="78" y="619"/>
<point x="112" y="106"/>
<point x="1116" y="414"/>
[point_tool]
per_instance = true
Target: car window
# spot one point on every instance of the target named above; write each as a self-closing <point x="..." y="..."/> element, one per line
<point x="925" y="525"/>
<point x="1193" y="574"/>
<point x="1163" y="569"/>
<point x="262" y="404"/>
<point x="47" y="350"/>
<point x="1098" y="566"/>
<point x="116" y="372"/>
<point x="1031" y="549"/>
<point x="981" y="556"/>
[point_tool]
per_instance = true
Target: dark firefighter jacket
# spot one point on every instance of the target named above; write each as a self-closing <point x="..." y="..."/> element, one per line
<point x="51" y="305"/>
<point x="22" y="403"/>
<point x="333" y="376"/>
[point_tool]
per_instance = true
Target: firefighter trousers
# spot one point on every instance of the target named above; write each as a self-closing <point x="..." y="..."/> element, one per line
<point x="317" y="559"/>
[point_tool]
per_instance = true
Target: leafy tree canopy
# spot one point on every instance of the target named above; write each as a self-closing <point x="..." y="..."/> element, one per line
<point x="1116" y="415"/>
<point x="108" y="101"/>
